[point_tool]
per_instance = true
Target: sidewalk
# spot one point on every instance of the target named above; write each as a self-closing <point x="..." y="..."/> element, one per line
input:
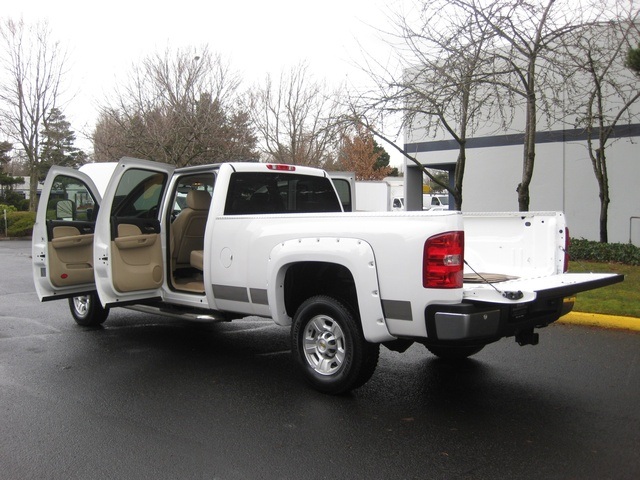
<point x="603" y="321"/>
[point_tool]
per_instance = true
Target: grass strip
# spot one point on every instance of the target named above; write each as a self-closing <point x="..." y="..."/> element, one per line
<point x="622" y="299"/>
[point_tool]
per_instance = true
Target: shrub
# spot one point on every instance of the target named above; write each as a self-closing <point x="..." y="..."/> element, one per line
<point x="19" y="224"/>
<point x="587" y="250"/>
<point x="14" y="199"/>
<point x="8" y="208"/>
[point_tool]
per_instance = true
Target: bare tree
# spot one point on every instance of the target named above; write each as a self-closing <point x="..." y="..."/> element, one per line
<point x="525" y="33"/>
<point x="440" y="88"/>
<point x="296" y="118"/>
<point x="179" y="107"/>
<point x="603" y="89"/>
<point x="33" y="68"/>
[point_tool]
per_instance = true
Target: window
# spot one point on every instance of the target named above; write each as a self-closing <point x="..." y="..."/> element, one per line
<point x="201" y="181"/>
<point x="343" y="187"/>
<point x="138" y="194"/>
<point x="70" y="200"/>
<point x="260" y="193"/>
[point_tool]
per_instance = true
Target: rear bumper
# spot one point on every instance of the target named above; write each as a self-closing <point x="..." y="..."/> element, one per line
<point x="473" y="323"/>
<point x="479" y="320"/>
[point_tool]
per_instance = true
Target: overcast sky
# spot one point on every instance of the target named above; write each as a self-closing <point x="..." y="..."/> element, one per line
<point x="258" y="36"/>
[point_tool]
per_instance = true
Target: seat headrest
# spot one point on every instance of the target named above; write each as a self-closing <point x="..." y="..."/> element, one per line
<point x="198" y="200"/>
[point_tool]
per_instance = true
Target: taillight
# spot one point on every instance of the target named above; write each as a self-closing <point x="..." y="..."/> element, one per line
<point x="567" y="242"/>
<point x="443" y="261"/>
<point x="281" y="167"/>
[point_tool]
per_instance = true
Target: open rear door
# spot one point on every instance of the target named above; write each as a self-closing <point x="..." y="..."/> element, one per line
<point x="128" y="254"/>
<point x="62" y="245"/>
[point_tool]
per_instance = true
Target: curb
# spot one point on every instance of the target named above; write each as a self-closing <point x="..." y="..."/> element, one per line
<point x="603" y="321"/>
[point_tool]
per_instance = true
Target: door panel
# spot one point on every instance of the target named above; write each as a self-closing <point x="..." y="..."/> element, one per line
<point x="62" y="245"/>
<point x="70" y="257"/>
<point x="137" y="258"/>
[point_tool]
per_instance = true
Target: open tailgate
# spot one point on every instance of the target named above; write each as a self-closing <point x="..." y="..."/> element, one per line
<point x="529" y="289"/>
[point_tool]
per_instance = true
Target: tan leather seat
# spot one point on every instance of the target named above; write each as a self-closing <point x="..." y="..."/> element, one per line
<point x="188" y="228"/>
<point x="197" y="259"/>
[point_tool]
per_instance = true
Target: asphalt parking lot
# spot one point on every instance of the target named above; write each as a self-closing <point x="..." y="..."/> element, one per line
<point x="145" y="397"/>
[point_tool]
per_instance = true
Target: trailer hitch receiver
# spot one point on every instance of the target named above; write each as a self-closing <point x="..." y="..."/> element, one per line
<point x="527" y="337"/>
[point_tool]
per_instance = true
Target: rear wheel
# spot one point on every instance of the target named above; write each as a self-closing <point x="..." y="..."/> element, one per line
<point x="87" y="310"/>
<point x="329" y="346"/>
<point x="455" y="353"/>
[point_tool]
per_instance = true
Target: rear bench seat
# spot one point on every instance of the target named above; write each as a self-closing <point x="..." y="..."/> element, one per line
<point x="197" y="259"/>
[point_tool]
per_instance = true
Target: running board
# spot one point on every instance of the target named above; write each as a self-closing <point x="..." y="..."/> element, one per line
<point x="185" y="313"/>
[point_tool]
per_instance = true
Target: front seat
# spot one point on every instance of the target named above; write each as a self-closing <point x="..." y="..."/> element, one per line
<point x="188" y="228"/>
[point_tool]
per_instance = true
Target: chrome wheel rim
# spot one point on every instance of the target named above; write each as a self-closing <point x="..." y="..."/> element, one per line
<point x="81" y="305"/>
<point x="324" y="345"/>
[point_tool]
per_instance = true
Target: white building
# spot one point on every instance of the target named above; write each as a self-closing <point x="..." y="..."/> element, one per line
<point x="563" y="178"/>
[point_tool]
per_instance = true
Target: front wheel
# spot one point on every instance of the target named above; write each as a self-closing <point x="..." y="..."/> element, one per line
<point x="329" y="346"/>
<point x="455" y="353"/>
<point x="87" y="310"/>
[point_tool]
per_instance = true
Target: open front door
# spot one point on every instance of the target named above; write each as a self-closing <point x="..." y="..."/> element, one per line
<point x="128" y="254"/>
<point x="345" y="183"/>
<point x="62" y="245"/>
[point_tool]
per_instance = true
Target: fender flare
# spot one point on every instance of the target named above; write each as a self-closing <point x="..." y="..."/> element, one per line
<point x="354" y="254"/>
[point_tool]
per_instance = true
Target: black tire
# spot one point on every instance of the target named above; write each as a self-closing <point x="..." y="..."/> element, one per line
<point x="455" y="353"/>
<point x="87" y="310"/>
<point x="328" y="344"/>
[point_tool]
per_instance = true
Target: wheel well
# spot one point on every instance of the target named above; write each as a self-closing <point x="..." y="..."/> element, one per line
<point x="307" y="279"/>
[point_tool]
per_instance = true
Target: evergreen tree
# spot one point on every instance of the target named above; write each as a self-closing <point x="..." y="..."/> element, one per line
<point x="7" y="182"/>
<point x="383" y="160"/>
<point x="5" y="148"/>
<point x="633" y="59"/>
<point x="58" y="144"/>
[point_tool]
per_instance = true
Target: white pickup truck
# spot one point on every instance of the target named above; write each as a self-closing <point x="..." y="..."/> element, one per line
<point x="218" y="242"/>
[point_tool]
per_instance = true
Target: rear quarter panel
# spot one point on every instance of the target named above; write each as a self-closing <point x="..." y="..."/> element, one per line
<point x="241" y="247"/>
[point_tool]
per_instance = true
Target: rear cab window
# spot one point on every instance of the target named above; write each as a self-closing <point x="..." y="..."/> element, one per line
<point x="252" y="193"/>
